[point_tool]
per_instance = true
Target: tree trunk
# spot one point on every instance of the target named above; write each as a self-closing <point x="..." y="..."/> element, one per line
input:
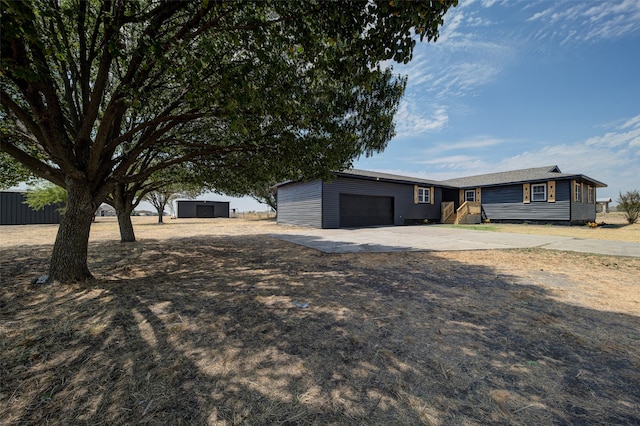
<point x="160" y="210"/>
<point x="69" y="257"/>
<point x="124" y="207"/>
<point x="126" y="227"/>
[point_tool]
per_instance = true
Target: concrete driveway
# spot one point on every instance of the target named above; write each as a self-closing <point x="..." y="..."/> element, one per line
<point x="443" y="238"/>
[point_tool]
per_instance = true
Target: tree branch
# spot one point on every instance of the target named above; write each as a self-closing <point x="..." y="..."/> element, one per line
<point x="34" y="165"/>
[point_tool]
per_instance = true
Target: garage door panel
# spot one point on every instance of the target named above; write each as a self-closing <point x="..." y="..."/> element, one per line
<point x="205" y="211"/>
<point x="365" y="210"/>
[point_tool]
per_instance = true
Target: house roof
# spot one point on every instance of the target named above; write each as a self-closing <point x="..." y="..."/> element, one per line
<point x="518" y="176"/>
<point x="370" y="175"/>
<point x="537" y="174"/>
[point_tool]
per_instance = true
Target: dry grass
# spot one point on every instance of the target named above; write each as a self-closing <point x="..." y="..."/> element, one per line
<point x="196" y="324"/>
<point x="616" y="229"/>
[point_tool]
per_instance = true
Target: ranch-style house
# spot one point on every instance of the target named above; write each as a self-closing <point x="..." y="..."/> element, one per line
<point x="358" y="198"/>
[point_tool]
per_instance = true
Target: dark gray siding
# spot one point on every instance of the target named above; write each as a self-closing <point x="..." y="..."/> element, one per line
<point x="300" y="203"/>
<point x="13" y="211"/>
<point x="405" y="211"/>
<point x="505" y="203"/>
<point x="195" y="208"/>
<point x="582" y="211"/>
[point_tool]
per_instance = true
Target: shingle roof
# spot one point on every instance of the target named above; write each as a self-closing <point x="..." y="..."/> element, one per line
<point x="368" y="174"/>
<point x="539" y="174"/>
<point x="517" y="176"/>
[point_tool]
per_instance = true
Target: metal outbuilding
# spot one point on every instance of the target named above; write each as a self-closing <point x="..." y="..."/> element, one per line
<point x="14" y="211"/>
<point x="202" y="209"/>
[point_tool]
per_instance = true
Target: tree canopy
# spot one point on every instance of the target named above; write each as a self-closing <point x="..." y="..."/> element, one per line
<point x="100" y="95"/>
<point x="13" y="173"/>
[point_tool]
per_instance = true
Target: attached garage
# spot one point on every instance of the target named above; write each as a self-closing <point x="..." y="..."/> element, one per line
<point x="365" y="210"/>
<point x="358" y="198"/>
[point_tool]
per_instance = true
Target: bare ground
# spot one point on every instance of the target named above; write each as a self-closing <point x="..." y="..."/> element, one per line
<point x="201" y="322"/>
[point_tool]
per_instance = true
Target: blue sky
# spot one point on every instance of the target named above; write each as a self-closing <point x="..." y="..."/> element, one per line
<point x="519" y="84"/>
<point x="512" y="85"/>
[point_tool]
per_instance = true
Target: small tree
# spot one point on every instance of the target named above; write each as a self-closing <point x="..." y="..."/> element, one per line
<point x="629" y="203"/>
<point x="163" y="196"/>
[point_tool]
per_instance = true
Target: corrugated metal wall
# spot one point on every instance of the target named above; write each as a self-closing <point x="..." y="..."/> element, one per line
<point x="505" y="203"/>
<point x="189" y="208"/>
<point x="405" y="211"/>
<point x="300" y="203"/>
<point x="13" y="211"/>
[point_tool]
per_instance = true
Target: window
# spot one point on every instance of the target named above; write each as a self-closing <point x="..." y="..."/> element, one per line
<point x="590" y="195"/>
<point x="539" y="192"/>
<point x="578" y="192"/>
<point x="424" y="195"/>
<point x="470" y="195"/>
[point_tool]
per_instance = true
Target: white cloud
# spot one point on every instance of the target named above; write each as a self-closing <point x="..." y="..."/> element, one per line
<point x="466" y="56"/>
<point x="413" y="121"/>
<point x="573" y="22"/>
<point x="618" y="138"/>
<point x="540" y="15"/>
<point x="632" y="122"/>
<point x="452" y="23"/>
<point x="452" y="161"/>
<point x="456" y="69"/>
<point x="478" y="142"/>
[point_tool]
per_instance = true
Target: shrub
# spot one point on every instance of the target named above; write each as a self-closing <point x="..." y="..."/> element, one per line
<point x="629" y="203"/>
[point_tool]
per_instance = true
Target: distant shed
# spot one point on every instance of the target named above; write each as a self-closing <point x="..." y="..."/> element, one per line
<point x="13" y="211"/>
<point x="602" y="205"/>
<point x="202" y="209"/>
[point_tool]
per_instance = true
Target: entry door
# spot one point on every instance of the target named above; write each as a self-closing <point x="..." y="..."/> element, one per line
<point x="365" y="210"/>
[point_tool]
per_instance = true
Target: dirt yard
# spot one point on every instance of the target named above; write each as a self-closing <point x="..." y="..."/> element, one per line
<point x="214" y="322"/>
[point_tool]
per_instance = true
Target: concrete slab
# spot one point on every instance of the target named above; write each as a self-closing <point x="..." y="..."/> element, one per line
<point x="442" y="238"/>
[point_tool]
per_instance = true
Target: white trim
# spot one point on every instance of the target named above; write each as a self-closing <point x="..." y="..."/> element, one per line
<point x="577" y="192"/>
<point x="535" y="196"/>
<point x="424" y="195"/>
<point x="466" y="195"/>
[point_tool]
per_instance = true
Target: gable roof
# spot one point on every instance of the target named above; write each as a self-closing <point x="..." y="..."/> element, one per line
<point x="518" y="176"/>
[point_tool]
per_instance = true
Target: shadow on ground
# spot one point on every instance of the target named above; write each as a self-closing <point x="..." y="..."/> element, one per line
<point x="206" y="331"/>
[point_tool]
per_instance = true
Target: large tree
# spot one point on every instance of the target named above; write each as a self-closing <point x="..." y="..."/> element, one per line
<point x="91" y="92"/>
